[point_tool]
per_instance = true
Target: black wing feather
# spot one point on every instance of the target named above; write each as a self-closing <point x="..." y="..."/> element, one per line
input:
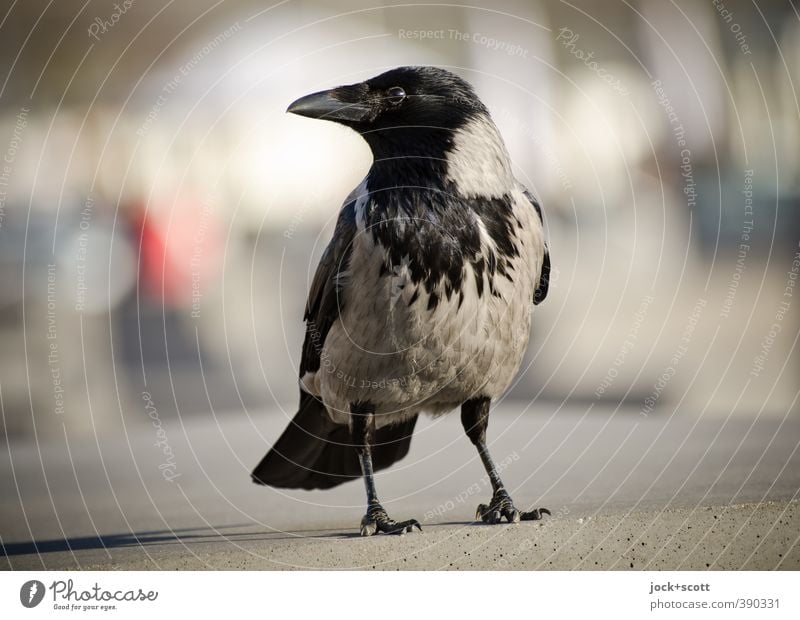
<point x="315" y="453"/>
<point x="324" y="301"/>
<point x="543" y="285"/>
<point x="544" y="279"/>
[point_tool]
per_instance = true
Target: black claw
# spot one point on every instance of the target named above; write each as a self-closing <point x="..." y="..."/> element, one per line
<point x="376" y="520"/>
<point x="512" y="515"/>
<point x="409" y="525"/>
<point x="502" y="507"/>
<point x="534" y="515"/>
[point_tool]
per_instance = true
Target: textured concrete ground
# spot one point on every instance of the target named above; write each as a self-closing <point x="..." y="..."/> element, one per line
<point x="626" y="491"/>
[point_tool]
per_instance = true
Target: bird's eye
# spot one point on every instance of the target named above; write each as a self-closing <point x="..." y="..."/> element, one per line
<point x="395" y="95"/>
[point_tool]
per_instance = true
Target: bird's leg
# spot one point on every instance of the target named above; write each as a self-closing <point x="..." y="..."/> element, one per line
<point x="475" y="418"/>
<point x="376" y="520"/>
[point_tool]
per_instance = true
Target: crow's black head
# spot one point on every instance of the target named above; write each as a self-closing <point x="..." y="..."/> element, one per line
<point x="397" y="109"/>
<point x="425" y="126"/>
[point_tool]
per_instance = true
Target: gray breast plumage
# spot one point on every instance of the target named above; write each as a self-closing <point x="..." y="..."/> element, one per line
<point x="410" y="339"/>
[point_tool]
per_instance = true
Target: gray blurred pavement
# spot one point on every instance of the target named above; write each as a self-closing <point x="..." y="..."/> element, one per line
<point x="626" y="491"/>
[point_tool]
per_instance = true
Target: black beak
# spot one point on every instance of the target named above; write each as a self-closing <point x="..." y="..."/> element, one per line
<point x="342" y="104"/>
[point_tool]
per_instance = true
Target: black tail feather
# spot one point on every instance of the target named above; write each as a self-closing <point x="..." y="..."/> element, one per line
<point x="315" y="453"/>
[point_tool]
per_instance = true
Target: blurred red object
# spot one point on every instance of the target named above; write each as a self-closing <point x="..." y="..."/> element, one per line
<point x="179" y="250"/>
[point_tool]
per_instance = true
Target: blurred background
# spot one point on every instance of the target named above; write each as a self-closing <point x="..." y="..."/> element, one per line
<point x="161" y="216"/>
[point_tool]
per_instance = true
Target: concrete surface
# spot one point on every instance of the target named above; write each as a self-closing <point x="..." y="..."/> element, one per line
<point x="626" y="491"/>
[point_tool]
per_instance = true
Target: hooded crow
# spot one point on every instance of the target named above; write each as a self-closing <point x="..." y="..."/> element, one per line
<point x="422" y="301"/>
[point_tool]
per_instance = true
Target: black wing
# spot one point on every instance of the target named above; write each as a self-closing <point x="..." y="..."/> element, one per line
<point x="324" y="301"/>
<point x="544" y="275"/>
<point x="315" y="453"/>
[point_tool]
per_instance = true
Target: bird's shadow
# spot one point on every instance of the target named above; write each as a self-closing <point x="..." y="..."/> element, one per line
<point x="185" y="537"/>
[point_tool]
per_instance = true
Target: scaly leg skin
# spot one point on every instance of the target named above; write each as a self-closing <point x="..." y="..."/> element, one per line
<point x="501" y="506"/>
<point x="475" y="418"/>
<point x="376" y="520"/>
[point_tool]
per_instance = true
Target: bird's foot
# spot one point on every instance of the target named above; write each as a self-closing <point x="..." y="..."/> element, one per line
<point x="376" y="520"/>
<point x="501" y="506"/>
